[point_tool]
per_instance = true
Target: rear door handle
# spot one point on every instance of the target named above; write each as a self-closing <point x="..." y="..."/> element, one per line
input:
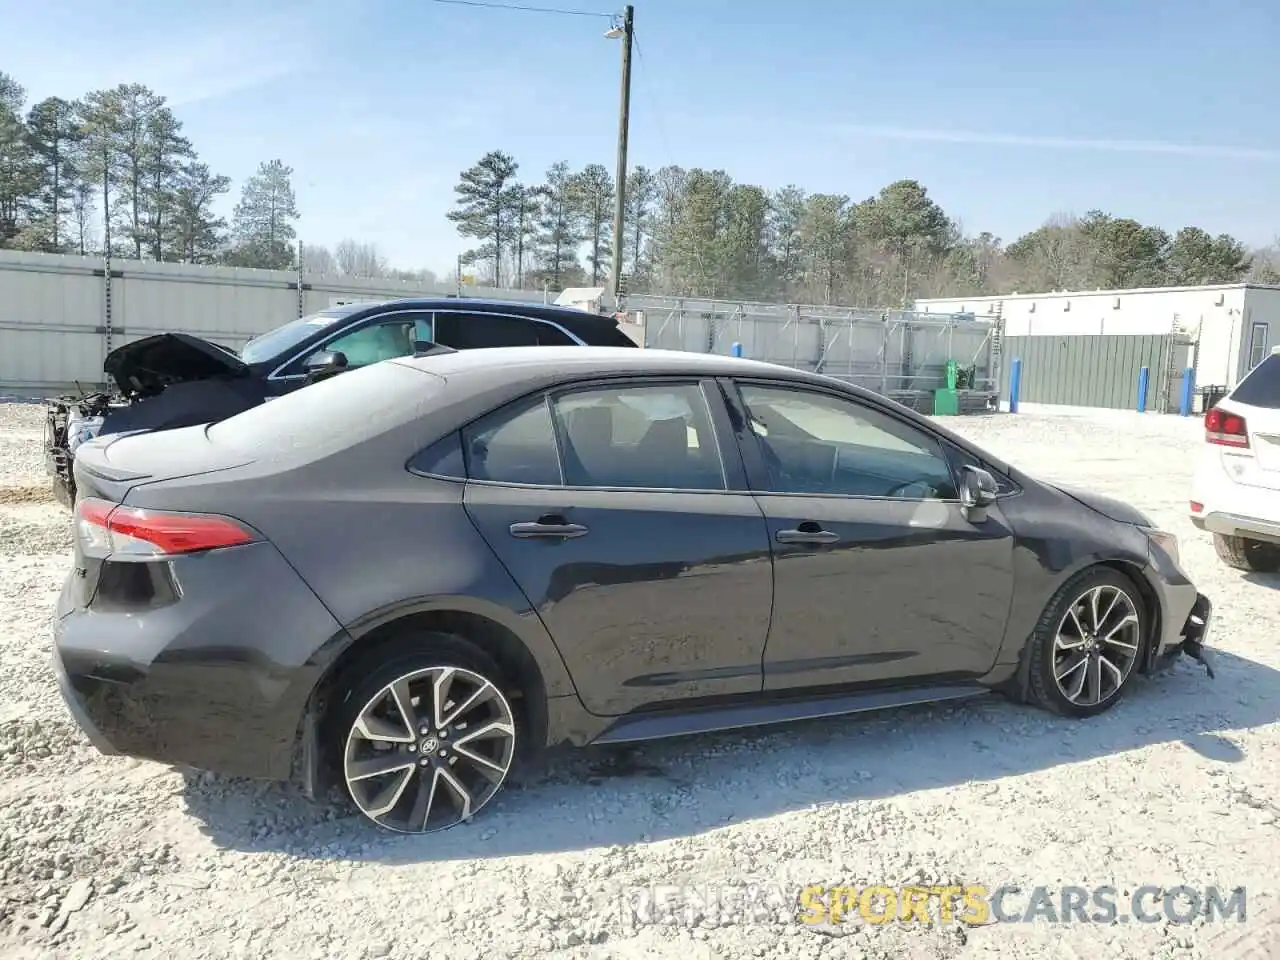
<point x="806" y="533"/>
<point x="548" y="528"/>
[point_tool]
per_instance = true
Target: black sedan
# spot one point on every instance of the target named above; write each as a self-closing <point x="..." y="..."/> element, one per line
<point x="171" y="380"/>
<point x="485" y="553"/>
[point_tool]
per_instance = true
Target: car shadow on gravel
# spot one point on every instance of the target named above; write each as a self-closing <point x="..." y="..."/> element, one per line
<point x="1271" y="580"/>
<point x="683" y="787"/>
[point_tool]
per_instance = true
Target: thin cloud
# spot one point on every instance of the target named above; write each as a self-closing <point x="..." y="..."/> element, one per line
<point x="187" y="62"/>
<point x="219" y="65"/>
<point x="1223" y="151"/>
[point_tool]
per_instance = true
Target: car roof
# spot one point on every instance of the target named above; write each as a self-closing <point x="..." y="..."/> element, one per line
<point x="517" y="370"/>
<point x="483" y="305"/>
<point x="508" y="364"/>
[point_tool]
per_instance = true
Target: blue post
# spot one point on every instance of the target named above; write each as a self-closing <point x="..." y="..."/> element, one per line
<point x="1015" y="384"/>
<point x="1144" y="378"/>
<point x="737" y="349"/>
<point x="1188" y="391"/>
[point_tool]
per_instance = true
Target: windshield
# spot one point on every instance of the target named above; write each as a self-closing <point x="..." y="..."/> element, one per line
<point x="277" y="341"/>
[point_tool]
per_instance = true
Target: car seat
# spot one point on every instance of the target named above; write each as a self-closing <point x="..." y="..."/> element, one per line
<point x="590" y="453"/>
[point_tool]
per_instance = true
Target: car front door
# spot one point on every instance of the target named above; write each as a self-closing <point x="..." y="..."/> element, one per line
<point x="373" y="339"/>
<point x="621" y="510"/>
<point x="878" y="576"/>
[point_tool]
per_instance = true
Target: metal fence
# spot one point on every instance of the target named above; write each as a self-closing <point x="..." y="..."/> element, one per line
<point x="1098" y="370"/>
<point x="899" y="354"/>
<point x="61" y="315"/>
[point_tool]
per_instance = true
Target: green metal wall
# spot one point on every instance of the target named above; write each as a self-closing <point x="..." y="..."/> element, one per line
<point x="1094" y="370"/>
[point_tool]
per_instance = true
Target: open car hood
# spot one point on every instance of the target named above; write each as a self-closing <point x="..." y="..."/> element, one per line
<point x="145" y="367"/>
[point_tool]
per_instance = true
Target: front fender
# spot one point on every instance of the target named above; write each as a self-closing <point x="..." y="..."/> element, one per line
<point x="1056" y="537"/>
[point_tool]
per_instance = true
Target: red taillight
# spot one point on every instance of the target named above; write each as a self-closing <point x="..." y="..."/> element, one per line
<point x="1225" y="429"/>
<point x="108" y="529"/>
<point x="1197" y="507"/>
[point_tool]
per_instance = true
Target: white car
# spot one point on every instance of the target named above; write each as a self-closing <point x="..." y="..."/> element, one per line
<point x="1236" y="491"/>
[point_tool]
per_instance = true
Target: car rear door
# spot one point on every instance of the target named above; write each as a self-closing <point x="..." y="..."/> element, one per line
<point x="621" y="510"/>
<point x="878" y="576"/>
<point x="472" y="329"/>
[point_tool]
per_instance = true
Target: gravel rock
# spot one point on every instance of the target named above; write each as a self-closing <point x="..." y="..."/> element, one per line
<point x="110" y="857"/>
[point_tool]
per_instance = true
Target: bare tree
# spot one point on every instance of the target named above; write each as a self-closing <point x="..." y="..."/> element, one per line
<point x="355" y="259"/>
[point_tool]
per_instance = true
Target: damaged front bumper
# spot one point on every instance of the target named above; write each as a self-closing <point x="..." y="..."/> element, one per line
<point x="1195" y="633"/>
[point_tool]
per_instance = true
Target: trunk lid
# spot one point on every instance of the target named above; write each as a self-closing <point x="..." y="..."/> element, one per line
<point x="145" y="367"/>
<point x="1256" y="399"/>
<point x="108" y="467"/>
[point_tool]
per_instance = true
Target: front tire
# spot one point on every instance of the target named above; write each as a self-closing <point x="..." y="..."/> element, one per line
<point x="425" y="738"/>
<point x="1241" y="553"/>
<point x="1086" y="648"/>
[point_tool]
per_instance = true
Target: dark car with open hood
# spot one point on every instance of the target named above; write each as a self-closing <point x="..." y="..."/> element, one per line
<point x="172" y="380"/>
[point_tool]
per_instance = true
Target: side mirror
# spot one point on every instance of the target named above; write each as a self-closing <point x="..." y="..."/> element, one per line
<point x="324" y="363"/>
<point x="978" y="490"/>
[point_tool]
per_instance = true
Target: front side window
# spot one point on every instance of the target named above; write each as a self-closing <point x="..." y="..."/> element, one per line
<point x="651" y="436"/>
<point x="379" y="341"/>
<point x="959" y="459"/>
<point x="813" y="443"/>
<point x="516" y="444"/>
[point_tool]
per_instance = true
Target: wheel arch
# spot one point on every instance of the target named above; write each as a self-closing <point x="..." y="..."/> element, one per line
<point x="1137" y="574"/>
<point x="532" y="670"/>
<point x="1133" y="571"/>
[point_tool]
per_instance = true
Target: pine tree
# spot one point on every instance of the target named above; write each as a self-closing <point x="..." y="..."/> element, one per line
<point x="485" y="208"/>
<point x="262" y="224"/>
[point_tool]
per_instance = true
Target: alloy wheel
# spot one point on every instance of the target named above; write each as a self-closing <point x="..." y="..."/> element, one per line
<point x="429" y="749"/>
<point x="1096" y="645"/>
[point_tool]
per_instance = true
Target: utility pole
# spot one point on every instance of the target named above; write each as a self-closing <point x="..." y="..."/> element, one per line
<point x="624" y="123"/>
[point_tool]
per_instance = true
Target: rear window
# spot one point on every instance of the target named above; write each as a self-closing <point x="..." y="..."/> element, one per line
<point x="325" y="417"/>
<point x="1261" y="388"/>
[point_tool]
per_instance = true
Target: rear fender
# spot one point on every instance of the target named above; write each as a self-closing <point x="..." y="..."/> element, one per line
<point x="312" y="763"/>
<point x="526" y="628"/>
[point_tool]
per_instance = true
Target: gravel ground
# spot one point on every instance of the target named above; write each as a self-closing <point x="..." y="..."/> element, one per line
<point x="115" y="858"/>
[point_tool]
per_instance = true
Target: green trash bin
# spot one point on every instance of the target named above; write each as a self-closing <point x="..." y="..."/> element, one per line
<point x="946" y="400"/>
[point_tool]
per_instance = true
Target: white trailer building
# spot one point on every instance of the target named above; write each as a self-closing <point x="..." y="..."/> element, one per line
<point x="1221" y="331"/>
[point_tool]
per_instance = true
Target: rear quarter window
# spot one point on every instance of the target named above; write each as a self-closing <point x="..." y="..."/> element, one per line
<point x="328" y="416"/>
<point x="1261" y="388"/>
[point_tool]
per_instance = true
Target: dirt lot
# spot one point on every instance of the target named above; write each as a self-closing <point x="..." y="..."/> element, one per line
<point x="115" y="858"/>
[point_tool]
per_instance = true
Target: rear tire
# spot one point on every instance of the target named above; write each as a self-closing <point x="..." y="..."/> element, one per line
<point x="1256" y="556"/>
<point x="1088" y="644"/>
<point x="423" y="734"/>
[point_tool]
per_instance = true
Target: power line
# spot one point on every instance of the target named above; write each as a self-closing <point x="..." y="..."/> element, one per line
<point x="525" y="9"/>
<point x="650" y="98"/>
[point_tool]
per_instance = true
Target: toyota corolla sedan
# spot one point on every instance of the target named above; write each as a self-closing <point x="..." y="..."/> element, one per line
<point x="403" y="579"/>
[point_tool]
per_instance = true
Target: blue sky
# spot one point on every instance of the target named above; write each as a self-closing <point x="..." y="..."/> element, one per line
<point x="1007" y="111"/>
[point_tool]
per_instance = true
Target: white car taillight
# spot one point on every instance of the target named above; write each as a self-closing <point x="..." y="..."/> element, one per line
<point x="1225" y="429"/>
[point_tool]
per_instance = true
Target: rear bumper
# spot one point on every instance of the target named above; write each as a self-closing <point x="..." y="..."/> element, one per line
<point x="1236" y="525"/>
<point x="1229" y="506"/>
<point x="218" y="680"/>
